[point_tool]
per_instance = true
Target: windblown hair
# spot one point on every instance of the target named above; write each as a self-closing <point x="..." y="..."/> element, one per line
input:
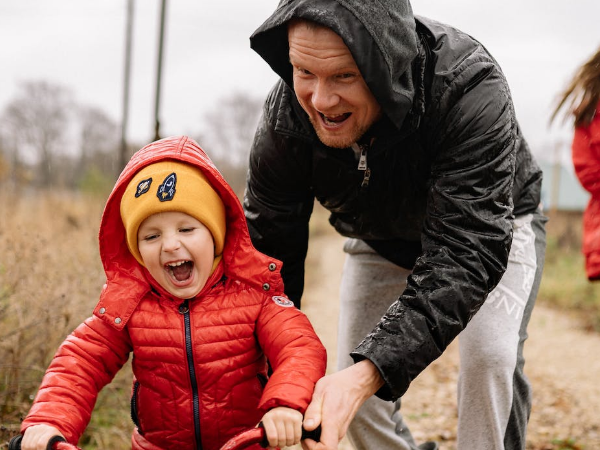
<point x="583" y="93"/>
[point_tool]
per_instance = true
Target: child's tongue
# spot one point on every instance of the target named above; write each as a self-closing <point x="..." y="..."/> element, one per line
<point x="182" y="272"/>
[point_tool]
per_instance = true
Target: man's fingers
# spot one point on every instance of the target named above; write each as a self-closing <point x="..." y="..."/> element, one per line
<point x="312" y="418"/>
<point x="308" y="444"/>
<point x="312" y="415"/>
<point x="329" y="438"/>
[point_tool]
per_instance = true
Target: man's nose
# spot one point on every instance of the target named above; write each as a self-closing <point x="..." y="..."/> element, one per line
<point x="324" y="96"/>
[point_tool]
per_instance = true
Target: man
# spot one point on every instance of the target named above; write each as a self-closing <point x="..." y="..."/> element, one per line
<point x="404" y="129"/>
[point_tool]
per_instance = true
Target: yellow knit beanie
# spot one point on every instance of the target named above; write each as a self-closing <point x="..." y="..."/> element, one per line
<point x="171" y="186"/>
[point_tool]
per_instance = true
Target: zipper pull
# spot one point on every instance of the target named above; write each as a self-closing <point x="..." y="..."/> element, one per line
<point x="361" y="153"/>
<point x="184" y="307"/>
<point x="362" y="160"/>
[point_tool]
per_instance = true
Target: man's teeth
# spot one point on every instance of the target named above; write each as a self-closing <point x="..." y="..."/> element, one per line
<point x="333" y="120"/>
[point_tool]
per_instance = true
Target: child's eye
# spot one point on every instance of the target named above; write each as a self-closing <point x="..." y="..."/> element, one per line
<point x="186" y="230"/>
<point x="150" y="237"/>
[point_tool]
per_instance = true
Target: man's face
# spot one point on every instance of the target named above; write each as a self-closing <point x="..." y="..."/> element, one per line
<point x="329" y="86"/>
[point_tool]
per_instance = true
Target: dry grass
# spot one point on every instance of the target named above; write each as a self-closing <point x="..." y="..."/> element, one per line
<point x="50" y="278"/>
<point x="564" y="282"/>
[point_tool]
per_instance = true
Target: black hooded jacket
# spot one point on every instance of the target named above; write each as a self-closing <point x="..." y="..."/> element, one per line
<point x="448" y="170"/>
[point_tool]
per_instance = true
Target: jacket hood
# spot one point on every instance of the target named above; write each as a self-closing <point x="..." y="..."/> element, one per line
<point x="380" y="35"/>
<point x="127" y="280"/>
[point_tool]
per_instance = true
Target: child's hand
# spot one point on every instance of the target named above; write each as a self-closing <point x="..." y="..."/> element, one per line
<point x="283" y="427"/>
<point x="36" y="437"/>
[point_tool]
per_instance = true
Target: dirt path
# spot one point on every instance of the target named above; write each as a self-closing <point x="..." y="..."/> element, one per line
<point x="562" y="362"/>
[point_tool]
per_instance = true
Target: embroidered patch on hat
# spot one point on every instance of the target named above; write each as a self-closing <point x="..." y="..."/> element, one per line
<point x="283" y="301"/>
<point x="143" y="187"/>
<point x="166" y="191"/>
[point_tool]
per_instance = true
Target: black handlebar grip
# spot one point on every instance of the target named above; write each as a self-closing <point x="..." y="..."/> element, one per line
<point x="53" y="440"/>
<point x="15" y="443"/>
<point x="315" y="434"/>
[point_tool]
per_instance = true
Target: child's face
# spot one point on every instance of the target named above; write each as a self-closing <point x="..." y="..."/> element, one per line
<point x="178" y="251"/>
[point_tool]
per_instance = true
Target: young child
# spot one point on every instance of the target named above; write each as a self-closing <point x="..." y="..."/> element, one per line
<point x="199" y="308"/>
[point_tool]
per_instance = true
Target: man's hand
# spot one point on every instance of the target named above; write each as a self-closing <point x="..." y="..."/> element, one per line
<point x="336" y="400"/>
<point x="36" y="437"/>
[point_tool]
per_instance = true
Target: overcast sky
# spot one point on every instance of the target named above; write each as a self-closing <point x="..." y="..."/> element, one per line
<point x="81" y="44"/>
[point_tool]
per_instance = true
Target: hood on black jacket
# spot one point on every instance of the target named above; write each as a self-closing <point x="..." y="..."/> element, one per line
<point x="380" y="35"/>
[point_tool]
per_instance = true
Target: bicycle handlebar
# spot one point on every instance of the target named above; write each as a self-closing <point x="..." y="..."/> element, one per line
<point x="241" y="441"/>
<point x="258" y="436"/>
<point x="55" y="443"/>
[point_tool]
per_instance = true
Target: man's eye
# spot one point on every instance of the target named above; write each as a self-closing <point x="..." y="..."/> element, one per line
<point x="346" y="75"/>
<point x="302" y="71"/>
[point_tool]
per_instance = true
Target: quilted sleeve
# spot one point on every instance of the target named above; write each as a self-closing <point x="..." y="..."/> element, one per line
<point x="85" y="362"/>
<point x="296" y="354"/>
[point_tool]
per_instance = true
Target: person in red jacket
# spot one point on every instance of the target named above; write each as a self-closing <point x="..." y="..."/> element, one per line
<point x="198" y="307"/>
<point x="583" y="97"/>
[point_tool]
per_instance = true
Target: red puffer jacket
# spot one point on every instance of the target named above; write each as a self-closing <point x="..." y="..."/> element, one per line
<point x="586" y="160"/>
<point x="200" y="367"/>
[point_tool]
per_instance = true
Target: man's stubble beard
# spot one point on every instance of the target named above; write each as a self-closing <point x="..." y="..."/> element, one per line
<point x="345" y="141"/>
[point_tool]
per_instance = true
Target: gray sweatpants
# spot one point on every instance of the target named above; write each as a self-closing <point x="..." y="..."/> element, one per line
<point x="494" y="395"/>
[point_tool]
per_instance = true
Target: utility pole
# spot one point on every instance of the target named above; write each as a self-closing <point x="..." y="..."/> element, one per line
<point x="159" y="71"/>
<point x="127" y="76"/>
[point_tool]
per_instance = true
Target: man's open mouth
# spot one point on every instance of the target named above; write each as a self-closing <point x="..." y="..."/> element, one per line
<point x="180" y="270"/>
<point x="334" y="120"/>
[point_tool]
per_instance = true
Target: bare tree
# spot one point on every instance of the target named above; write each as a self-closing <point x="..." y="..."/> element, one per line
<point x="227" y="135"/>
<point x="15" y="172"/>
<point x="38" y="120"/>
<point x="98" y="143"/>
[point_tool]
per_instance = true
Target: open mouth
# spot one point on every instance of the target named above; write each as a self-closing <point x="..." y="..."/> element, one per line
<point x="334" y="120"/>
<point x="180" y="270"/>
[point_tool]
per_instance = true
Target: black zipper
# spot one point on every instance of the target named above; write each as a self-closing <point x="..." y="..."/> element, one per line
<point x="134" y="407"/>
<point x="184" y="310"/>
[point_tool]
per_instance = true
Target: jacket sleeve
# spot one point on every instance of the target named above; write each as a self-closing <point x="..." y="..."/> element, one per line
<point x="85" y="362"/>
<point x="297" y="356"/>
<point x="467" y="230"/>
<point x="586" y="156"/>
<point x="278" y="201"/>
